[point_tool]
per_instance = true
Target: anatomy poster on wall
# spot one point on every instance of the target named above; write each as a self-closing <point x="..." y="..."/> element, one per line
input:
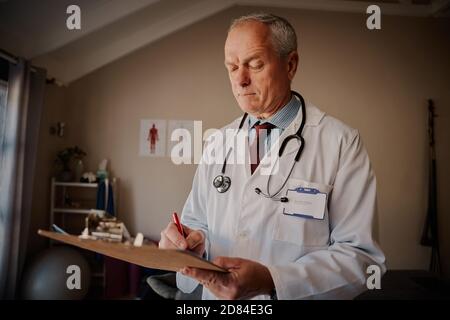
<point x="152" y="138"/>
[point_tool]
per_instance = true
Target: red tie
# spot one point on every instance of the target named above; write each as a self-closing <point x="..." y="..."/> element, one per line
<point x="255" y="149"/>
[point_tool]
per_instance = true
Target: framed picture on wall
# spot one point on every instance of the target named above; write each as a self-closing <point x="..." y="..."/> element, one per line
<point x="152" y="138"/>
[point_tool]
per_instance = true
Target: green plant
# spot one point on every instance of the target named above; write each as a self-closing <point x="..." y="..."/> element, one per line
<point x="64" y="157"/>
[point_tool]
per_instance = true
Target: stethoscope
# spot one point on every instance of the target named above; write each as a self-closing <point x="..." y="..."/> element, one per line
<point x="222" y="182"/>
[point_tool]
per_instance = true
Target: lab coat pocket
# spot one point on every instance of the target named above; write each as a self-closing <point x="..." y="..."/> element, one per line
<point x="303" y="231"/>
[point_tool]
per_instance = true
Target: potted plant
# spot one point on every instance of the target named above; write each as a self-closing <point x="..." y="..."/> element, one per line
<point x="64" y="160"/>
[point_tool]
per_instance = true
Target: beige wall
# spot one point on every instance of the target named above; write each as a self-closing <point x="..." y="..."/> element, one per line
<point x="376" y="81"/>
<point x="54" y="110"/>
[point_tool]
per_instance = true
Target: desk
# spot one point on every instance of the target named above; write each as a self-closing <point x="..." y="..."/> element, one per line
<point x="409" y="285"/>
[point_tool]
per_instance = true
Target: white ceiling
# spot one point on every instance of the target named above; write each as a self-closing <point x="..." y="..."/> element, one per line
<point x="38" y="26"/>
<point x="111" y="29"/>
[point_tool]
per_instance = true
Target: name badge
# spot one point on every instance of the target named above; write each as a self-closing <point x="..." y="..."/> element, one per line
<point x="305" y="203"/>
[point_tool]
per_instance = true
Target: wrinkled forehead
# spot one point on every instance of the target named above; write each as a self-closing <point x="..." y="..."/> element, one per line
<point x="248" y="36"/>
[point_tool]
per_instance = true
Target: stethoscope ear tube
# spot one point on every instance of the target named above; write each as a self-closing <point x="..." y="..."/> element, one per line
<point x="300" y="150"/>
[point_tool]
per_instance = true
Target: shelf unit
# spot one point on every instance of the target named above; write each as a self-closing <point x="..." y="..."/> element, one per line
<point x="63" y="207"/>
<point x="59" y="208"/>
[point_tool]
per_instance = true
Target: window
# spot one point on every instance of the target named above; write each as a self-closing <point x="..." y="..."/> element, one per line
<point x="3" y="91"/>
<point x="4" y="67"/>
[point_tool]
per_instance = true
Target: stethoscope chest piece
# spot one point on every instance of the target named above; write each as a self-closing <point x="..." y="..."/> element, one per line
<point x="222" y="183"/>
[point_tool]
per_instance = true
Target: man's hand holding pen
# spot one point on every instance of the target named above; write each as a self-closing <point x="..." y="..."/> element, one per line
<point x="244" y="280"/>
<point x="172" y="238"/>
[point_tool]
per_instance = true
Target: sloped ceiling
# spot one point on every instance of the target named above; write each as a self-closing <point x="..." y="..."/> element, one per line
<point x="111" y="29"/>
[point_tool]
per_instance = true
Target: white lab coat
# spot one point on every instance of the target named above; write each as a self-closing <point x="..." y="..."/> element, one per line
<point x="307" y="258"/>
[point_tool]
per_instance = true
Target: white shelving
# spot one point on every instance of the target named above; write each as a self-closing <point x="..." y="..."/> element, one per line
<point x="78" y="211"/>
<point x="59" y="208"/>
<point x="76" y="184"/>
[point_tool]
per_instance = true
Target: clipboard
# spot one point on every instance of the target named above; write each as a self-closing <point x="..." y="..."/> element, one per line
<point x="145" y="256"/>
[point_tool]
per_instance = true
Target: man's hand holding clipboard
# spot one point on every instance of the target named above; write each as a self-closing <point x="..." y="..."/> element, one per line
<point x="242" y="275"/>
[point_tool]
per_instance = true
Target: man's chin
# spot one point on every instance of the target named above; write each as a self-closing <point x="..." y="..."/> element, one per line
<point x="250" y="109"/>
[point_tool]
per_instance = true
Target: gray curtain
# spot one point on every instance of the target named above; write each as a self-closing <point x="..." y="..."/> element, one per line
<point x="18" y="142"/>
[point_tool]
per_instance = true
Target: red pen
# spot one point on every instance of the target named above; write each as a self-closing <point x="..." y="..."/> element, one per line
<point x="178" y="224"/>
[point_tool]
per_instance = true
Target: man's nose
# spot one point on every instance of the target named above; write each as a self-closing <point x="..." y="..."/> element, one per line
<point x="242" y="77"/>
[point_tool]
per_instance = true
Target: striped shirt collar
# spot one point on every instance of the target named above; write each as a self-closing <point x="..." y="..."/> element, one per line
<point x="282" y="118"/>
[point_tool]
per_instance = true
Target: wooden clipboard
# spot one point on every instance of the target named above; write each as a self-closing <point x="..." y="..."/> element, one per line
<point x="146" y="256"/>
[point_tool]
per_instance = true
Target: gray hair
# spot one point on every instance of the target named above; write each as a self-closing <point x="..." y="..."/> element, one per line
<point x="283" y="34"/>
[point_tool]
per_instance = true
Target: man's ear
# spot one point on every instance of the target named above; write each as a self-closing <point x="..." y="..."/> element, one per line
<point x="292" y="63"/>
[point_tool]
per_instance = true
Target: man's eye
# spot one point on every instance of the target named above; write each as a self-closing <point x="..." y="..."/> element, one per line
<point x="232" y="68"/>
<point x="256" y="65"/>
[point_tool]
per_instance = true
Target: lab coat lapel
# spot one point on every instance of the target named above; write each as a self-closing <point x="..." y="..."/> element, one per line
<point x="313" y="117"/>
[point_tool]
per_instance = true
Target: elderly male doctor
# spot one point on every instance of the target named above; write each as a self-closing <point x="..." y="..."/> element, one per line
<point x="273" y="247"/>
